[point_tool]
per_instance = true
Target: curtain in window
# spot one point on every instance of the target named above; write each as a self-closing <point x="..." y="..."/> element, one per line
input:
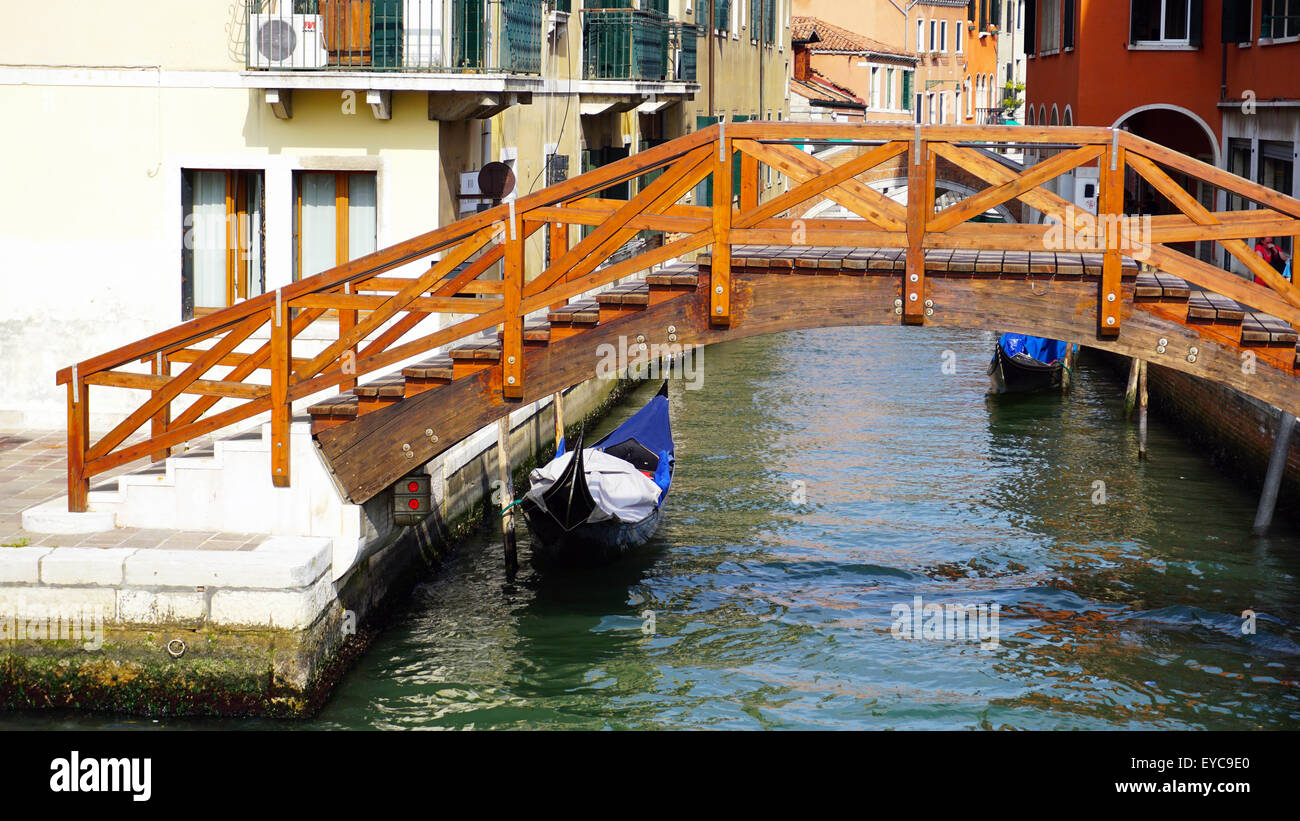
<point x="252" y="237"/>
<point x="317" y="231"/>
<point x="208" y="235"/>
<point x="362" y="212"/>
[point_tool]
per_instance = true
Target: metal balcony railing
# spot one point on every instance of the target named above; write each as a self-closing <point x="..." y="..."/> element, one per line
<point x="637" y="44"/>
<point x="683" y="38"/>
<point x="624" y="44"/>
<point x="991" y="116"/>
<point x="395" y="35"/>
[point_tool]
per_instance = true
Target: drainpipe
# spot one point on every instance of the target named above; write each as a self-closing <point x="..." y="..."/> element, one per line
<point x="708" y="38"/>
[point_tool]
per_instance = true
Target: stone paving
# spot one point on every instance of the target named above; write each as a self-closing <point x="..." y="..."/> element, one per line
<point x="33" y="469"/>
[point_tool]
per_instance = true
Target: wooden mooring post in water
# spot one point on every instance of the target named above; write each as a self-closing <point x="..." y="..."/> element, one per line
<point x="1142" y="409"/>
<point x="507" y="492"/>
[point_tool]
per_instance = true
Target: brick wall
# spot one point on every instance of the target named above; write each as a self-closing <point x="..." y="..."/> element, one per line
<point x="1236" y="430"/>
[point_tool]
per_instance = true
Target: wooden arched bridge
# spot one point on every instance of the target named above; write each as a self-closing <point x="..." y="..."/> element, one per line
<point x="762" y="273"/>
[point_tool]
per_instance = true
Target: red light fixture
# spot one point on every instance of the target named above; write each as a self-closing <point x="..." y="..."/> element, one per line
<point x="413" y="487"/>
<point x="413" y="504"/>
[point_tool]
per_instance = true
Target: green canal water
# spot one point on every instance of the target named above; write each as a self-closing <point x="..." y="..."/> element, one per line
<point x="826" y="478"/>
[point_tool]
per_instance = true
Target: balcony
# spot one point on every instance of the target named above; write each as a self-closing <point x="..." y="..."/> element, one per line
<point x="474" y="47"/>
<point x="637" y="44"/>
<point x="991" y="116"/>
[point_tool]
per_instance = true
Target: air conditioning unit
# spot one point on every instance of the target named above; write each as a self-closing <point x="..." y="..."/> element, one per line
<point x="286" y="41"/>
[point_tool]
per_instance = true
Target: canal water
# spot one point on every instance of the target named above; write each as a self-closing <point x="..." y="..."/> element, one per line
<point x="829" y="482"/>
<point x="824" y="481"/>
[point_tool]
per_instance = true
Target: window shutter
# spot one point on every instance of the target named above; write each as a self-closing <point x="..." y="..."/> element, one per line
<point x="1196" y="22"/>
<point x="1067" y="24"/>
<point x="984" y="15"/>
<point x="907" y="91"/>
<point x="995" y="12"/>
<point x="1031" y="26"/>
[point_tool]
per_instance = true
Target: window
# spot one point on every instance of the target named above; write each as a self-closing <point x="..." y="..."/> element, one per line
<point x="919" y="114"/>
<point x="906" y="95"/>
<point x="934" y="34"/>
<point x="334" y="219"/>
<point x="722" y="15"/>
<point x="920" y="36"/>
<point x="1067" y="24"/>
<point x="223" y="256"/>
<point x="1049" y="27"/>
<point x="875" y="87"/>
<point x="970" y="100"/>
<point x="1166" y="22"/>
<point x="1277" y="171"/>
<point x="1281" y="19"/>
<point x="943" y="36"/>
<point x="889" y="89"/>
<point x="961" y="37"/>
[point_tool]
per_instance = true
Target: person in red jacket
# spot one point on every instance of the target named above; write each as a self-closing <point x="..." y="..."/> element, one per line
<point x="1271" y="254"/>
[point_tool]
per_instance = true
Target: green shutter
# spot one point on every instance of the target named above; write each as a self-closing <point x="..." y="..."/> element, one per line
<point x="386" y="34"/>
<point x="704" y="191"/>
<point x="467" y="33"/>
<point x="907" y="91"/>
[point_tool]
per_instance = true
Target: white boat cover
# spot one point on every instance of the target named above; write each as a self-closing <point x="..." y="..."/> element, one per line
<point x="617" y="487"/>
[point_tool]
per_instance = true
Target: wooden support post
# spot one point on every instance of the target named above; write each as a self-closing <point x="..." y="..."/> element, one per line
<point x="512" y="341"/>
<point x="557" y="401"/>
<point x="348" y="359"/>
<point x="1110" y="209"/>
<point x="559" y="247"/>
<point x="748" y="182"/>
<point x="1130" y="393"/>
<point x="281" y="408"/>
<point x="920" y="208"/>
<point x="1276" y="468"/>
<point x="78" y="443"/>
<point x="559" y="241"/>
<point x="161" y="366"/>
<point x="1142" y="410"/>
<point x="720" y="276"/>
<point x="507" y="491"/>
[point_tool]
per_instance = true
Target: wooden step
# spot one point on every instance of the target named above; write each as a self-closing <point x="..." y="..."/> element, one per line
<point x="1150" y="286"/>
<point x="1259" y="329"/>
<point x="574" y="318"/>
<point x="428" y="373"/>
<point x="473" y="357"/>
<point x="622" y="300"/>
<point x="1206" y="306"/>
<point x="379" y="393"/>
<point x="672" y="281"/>
<point x="333" y="411"/>
<point x="537" y="334"/>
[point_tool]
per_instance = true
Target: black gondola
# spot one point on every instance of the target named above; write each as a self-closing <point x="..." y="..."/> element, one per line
<point x="1024" y="364"/>
<point x="630" y="471"/>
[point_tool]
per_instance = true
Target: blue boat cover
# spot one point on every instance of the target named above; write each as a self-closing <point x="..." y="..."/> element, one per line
<point x="648" y="426"/>
<point x="1046" y="351"/>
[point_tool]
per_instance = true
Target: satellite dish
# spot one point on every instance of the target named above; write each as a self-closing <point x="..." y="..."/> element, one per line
<point x="496" y="180"/>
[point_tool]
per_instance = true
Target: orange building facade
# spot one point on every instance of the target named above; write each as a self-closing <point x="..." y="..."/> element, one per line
<point x="1216" y="79"/>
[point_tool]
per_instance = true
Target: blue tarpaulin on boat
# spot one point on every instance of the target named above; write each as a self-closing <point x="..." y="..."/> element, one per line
<point x="1046" y="351"/>
<point x="649" y="426"/>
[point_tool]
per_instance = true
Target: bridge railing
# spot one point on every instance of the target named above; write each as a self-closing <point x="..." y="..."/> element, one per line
<point x="377" y="313"/>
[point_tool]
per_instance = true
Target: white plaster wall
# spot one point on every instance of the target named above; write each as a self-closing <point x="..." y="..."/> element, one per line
<point x="90" y="236"/>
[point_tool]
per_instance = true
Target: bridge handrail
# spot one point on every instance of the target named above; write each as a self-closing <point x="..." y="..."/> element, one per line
<point x="498" y="234"/>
